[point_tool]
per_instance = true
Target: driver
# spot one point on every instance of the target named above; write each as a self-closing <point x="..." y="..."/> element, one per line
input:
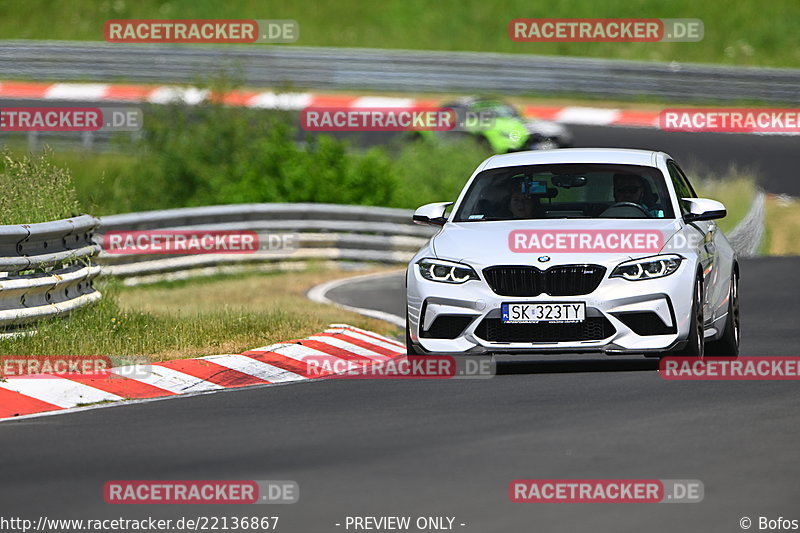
<point x="631" y="188"/>
<point x="520" y="205"/>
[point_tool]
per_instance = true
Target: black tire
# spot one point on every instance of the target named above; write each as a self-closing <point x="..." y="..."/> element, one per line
<point x="483" y="143"/>
<point x="548" y="143"/>
<point x="410" y="348"/>
<point x="728" y="344"/>
<point x="695" y="345"/>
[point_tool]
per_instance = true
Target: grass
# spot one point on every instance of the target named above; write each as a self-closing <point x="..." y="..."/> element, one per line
<point x="746" y="32"/>
<point x="98" y="179"/>
<point x="35" y="189"/>
<point x="191" y="319"/>
<point x="434" y="172"/>
<point x="783" y="226"/>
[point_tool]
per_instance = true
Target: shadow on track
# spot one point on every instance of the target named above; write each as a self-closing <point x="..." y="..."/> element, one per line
<point x="506" y="367"/>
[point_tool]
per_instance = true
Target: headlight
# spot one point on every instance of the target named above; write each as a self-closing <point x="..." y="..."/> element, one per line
<point x="445" y="271"/>
<point x="648" y="267"/>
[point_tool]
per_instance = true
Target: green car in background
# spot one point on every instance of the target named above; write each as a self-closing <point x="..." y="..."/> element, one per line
<point x="500" y="127"/>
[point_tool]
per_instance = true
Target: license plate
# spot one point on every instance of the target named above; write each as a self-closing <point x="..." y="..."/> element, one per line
<point x="532" y="313"/>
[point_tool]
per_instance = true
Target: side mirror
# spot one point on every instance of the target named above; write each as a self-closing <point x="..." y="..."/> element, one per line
<point x="432" y="214"/>
<point x="703" y="209"/>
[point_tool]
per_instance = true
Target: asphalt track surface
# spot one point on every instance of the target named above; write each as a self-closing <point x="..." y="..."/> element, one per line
<point x="450" y="448"/>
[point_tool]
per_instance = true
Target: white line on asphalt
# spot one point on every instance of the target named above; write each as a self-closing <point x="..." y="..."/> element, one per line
<point x="319" y="294"/>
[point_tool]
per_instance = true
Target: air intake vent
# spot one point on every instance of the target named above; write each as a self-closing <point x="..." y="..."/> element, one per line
<point x="645" y="323"/>
<point x="592" y="329"/>
<point x="447" y="327"/>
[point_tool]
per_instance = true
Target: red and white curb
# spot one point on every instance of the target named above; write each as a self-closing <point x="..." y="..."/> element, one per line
<point x="278" y="363"/>
<point x="107" y="92"/>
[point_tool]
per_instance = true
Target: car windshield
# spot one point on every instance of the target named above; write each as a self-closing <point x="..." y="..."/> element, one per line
<point x="497" y="109"/>
<point x="566" y="191"/>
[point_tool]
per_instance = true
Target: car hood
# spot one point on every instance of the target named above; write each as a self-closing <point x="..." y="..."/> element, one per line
<point x="487" y="243"/>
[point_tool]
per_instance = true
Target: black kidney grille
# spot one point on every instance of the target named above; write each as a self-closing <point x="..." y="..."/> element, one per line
<point x="568" y="280"/>
<point x="573" y="280"/>
<point x="515" y="280"/>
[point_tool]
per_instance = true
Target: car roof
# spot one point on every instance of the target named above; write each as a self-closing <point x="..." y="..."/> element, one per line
<point x="620" y="156"/>
<point x="468" y="101"/>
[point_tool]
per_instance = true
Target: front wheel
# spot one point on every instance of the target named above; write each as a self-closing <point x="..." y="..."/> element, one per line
<point x="537" y="142"/>
<point x="410" y="348"/>
<point x="728" y="344"/>
<point x="547" y="143"/>
<point x="695" y="345"/>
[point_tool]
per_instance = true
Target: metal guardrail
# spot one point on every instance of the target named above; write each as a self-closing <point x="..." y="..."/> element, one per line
<point x="89" y="141"/>
<point x="323" y="232"/>
<point x="393" y="70"/>
<point x="46" y="269"/>
<point x="746" y="236"/>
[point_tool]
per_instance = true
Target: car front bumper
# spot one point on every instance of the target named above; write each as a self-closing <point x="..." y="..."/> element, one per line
<point x="609" y="306"/>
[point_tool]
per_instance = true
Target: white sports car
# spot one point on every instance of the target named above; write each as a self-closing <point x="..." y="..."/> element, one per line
<point x="575" y="250"/>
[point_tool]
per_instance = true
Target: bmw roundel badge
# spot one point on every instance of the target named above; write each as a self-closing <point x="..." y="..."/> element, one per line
<point x="544" y="259"/>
